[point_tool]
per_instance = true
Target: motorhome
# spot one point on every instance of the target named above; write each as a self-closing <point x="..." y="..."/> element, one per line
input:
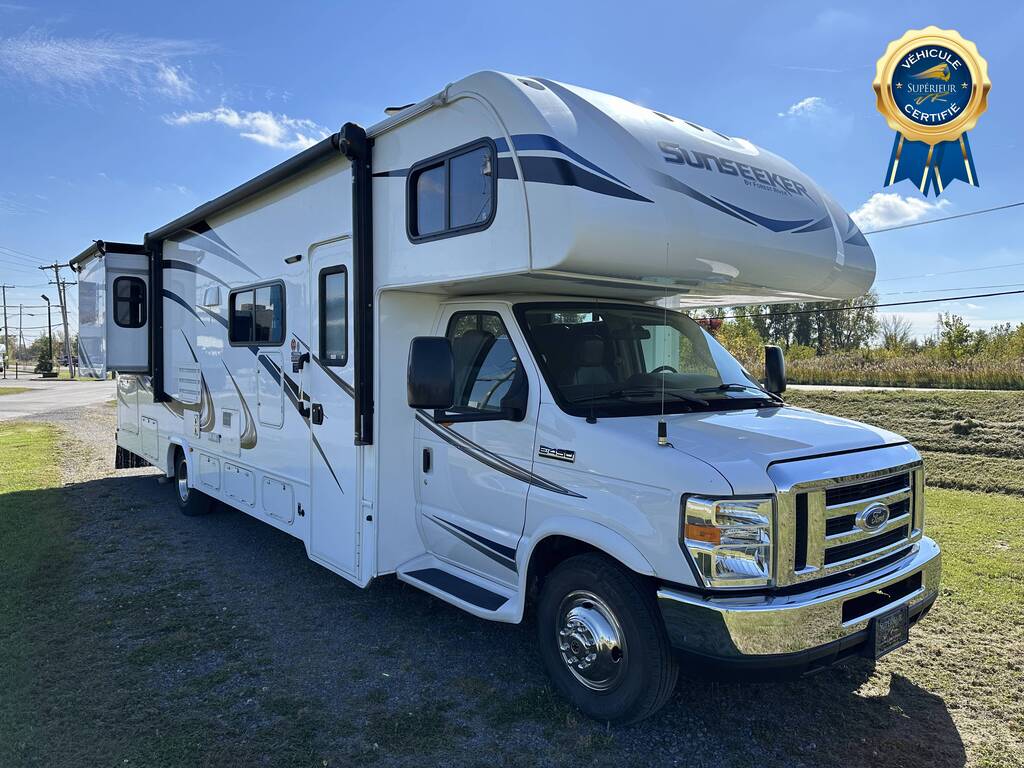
<point x="441" y="348"/>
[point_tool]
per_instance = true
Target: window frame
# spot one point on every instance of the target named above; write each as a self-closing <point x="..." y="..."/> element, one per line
<point x="324" y="273"/>
<point x="284" y="314"/>
<point x="143" y="301"/>
<point x="444" y="159"/>
<point x="520" y="378"/>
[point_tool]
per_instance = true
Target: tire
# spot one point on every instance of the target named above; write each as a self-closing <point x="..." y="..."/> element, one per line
<point x="190" y="501"/>
<point x="633" y="671"/>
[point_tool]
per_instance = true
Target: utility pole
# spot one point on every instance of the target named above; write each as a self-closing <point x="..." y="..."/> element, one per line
<point x="49" y="328"/>
<point x="3" y="289"/>
<point x="21" y="339"/>
<point x="56" y="267"/>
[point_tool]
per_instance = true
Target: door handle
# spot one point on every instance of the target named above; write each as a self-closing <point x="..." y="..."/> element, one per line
<point x="317" y="413"/>
<point x="427" y="459"/>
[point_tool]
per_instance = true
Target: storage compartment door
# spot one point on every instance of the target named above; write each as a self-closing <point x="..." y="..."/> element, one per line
<point x="128" y="312"/>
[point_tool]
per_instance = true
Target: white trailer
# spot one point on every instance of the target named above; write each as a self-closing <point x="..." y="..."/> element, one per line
<point x="431" y="349"/>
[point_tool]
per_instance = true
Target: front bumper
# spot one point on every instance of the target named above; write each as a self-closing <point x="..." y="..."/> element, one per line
<point x="801" y="630"/>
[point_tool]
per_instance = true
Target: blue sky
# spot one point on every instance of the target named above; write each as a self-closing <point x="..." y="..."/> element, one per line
<point x="117" y="117"/>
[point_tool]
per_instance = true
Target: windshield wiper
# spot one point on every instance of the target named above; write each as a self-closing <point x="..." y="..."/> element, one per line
<point x="741" y="388"/>
<point x="618" y="394"/>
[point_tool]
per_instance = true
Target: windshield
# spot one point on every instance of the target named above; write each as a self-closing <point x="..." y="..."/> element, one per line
<point x="607" y="359"/>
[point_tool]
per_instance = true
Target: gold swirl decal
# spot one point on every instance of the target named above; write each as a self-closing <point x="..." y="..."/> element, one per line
<point x="248" y="437"/>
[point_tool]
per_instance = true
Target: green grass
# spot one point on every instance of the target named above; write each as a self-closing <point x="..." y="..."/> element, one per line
<point x="878" y="369"/>
<point x="12" y="390"/>
<point x="970" y="440"/>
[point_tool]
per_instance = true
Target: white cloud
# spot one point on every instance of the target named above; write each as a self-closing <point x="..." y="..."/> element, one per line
<point x="890" y="209"/>
<point x="268" y="128"/>
<point x="75" y="66"/>
<point x="174" y="83"/>
<point x="812" y="106"/>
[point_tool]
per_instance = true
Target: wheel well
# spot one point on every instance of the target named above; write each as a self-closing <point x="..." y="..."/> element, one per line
<point x="547" y="555"/>
<point x="173" y="449"/>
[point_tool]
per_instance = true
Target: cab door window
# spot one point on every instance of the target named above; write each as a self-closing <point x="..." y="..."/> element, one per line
<point x="489" y="379"/>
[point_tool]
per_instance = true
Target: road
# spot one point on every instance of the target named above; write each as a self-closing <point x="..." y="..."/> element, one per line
<point x="48" y="395"/>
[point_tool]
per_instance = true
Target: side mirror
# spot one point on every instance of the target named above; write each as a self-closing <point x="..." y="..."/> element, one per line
<point x="774" y="370"/>
<point x="431" y="373"/>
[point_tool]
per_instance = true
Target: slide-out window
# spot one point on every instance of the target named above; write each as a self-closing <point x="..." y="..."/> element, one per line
<point x="256" y="315"/>
<point x="129" y="302"/>
<point x="334" y="316"/>
<point x="453" y="193"/>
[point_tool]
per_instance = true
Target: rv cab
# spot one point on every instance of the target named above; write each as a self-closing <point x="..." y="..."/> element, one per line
<point x="450" y="349"/>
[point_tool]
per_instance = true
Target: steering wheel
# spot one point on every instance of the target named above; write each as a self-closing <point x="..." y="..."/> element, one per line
<point x="661" y="368"/>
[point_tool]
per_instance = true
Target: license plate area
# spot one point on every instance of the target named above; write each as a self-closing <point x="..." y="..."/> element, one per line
<point x="888" y="632"/>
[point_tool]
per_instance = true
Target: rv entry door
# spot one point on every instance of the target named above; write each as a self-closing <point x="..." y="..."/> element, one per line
<point x="334" y="527"/>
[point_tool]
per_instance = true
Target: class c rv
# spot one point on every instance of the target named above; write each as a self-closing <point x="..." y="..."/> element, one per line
<point x="441" y="348"/>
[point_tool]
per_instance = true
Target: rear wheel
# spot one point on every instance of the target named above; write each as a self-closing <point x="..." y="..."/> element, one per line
<point x="190" y="501"/>
<point x="602" y="640"/>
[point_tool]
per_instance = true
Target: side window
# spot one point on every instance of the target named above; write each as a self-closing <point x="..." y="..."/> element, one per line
<point x="130" y="302"/>
<point x="486" y="363"/>
<point x="334" y="316"/>
<point x="256" y="315"/>
<point x="453" y="193"/>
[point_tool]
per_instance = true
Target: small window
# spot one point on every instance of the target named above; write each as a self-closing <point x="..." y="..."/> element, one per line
<point x="334" y="316"/>
<point x="452" y="194"/>
<point x="130" y="302"/>
<point x="486" y="363"/>
<point x="256" y="315"/>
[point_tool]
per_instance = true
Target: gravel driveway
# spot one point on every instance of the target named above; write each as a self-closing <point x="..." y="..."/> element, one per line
<point x="215" y="641"/>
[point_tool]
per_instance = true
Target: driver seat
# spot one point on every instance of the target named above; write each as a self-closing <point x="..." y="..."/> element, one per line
<point x="591" y="363"/>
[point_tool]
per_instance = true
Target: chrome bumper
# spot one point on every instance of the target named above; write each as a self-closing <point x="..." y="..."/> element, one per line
<point x="806" y="624"/>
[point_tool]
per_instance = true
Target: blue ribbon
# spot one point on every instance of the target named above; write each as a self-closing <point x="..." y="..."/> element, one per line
<point x="932" y="169"/>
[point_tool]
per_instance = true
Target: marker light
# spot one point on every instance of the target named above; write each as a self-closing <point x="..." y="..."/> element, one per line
<point x="729" y="540"/>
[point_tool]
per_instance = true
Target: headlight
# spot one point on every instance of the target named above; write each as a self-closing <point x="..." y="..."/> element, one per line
<point x="729" y="540"/>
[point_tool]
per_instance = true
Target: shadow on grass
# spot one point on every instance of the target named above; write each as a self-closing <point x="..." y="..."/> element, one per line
<point x="133" y="634"/>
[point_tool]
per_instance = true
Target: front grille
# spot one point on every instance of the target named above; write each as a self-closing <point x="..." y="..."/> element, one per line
<point x="835" y="526"/>
<point x="857" y="548"/>
<point x="819" y="532"/>
<point x="881" y="487"/>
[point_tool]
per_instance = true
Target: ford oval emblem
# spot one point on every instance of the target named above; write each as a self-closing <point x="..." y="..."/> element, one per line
<point x="873" y="517"/>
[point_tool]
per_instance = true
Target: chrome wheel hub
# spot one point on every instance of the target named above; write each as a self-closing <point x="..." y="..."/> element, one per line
<point x="182" y="482"/>
<point x="591" y="641"/>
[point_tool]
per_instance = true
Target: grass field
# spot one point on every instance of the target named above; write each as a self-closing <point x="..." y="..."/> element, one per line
<point x="117" y="648"/>
<point x="970" y="440"/>
<point x="12" y="390"/>
<point x="877" y="369"/>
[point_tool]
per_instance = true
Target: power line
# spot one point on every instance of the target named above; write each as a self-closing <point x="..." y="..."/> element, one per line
<point x="945" y="218"/>
<point x="876" y="306"/>
<point x="952" y="272"/>
<point x="957" y="288"/>
<point x="16" y="252"/>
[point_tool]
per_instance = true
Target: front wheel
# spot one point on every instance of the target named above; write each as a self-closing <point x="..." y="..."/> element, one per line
<point x="602" y="640"/>
<point x="190" y="501"/>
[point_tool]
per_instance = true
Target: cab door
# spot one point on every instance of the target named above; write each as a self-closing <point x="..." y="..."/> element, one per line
<point x="334" y="526"/>
<point x="474" y="460"/>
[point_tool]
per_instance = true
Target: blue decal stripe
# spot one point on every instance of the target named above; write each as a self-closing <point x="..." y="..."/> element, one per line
<point x="219" y="318"/>
<point x="775" y="225"/>
<point x="523" y="142"/>
<point x="188" y="267"/>
<point x="177" y="299"/>
<point x="668" y="182"/>
<point x="823" y="223"/>
<point x="556" y="170"/>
